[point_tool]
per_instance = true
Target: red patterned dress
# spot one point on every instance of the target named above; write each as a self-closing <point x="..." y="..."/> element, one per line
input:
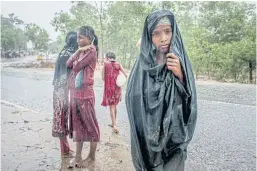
<point x="112" y="93"/>
<point x="83" y="122"/>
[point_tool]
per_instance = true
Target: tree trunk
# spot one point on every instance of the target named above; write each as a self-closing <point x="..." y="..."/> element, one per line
<point x="250" y="71"/>
<point x="19" y="51"/>
<point x="102" y="40"/>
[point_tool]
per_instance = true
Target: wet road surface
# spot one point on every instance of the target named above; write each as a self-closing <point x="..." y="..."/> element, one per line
<point x="224" y="137"/>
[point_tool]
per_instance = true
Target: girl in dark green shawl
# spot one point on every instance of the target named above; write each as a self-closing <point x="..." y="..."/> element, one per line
<point x="60" y="94"/>
<point x="161" y="97"/>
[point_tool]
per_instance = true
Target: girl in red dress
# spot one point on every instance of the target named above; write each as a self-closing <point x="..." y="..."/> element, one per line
<point x="112" y="93"/>
<point x="84" y="125"/>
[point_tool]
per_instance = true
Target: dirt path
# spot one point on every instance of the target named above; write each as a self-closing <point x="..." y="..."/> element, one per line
<point x="27" y="145"/>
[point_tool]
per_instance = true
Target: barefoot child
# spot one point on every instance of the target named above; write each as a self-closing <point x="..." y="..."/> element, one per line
<point x="84" y="125"/>
<point x="60" y="94"/>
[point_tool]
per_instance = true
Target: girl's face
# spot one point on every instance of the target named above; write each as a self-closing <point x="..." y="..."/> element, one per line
<point x="161" y="37"/>
<point x="83" y="40"/>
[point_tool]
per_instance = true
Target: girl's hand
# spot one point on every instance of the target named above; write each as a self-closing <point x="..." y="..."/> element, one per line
<point x="83" y="49"/>
<point x="173" y="64"/>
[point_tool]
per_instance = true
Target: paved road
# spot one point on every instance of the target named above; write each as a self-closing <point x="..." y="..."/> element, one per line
<point x="225" y="134"/>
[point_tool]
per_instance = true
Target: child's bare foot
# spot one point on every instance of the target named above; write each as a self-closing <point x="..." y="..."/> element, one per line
<point x="75" y="162"/>
<point x="115" y="129"/>
<point x="89" y="161"/>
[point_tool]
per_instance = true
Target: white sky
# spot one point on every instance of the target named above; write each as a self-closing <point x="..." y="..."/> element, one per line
<point x="38" y="12"/>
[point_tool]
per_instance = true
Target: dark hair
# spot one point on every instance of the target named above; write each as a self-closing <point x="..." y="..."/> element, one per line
<point x="71" y="40"/>
<point x="110" y="55"/>
<point x="90" y="33"/>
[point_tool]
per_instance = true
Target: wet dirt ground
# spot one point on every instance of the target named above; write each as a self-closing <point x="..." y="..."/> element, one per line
<point x="27" y="145"/>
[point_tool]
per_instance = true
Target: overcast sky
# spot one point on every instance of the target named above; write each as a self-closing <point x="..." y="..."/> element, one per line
<point x="38" y="12"/>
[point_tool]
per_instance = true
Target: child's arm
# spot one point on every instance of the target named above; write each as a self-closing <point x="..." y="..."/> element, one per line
<point x="88" y="57"/>
<point x="123" y="71"/>
<point x="72" y="58"/>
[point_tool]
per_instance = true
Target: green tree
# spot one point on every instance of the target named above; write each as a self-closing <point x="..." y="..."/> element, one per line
<point x="219" y="36"/>
<point x="38" y="36"/>
<point x="56" y="46"/>
<point x="12" y="34"/>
